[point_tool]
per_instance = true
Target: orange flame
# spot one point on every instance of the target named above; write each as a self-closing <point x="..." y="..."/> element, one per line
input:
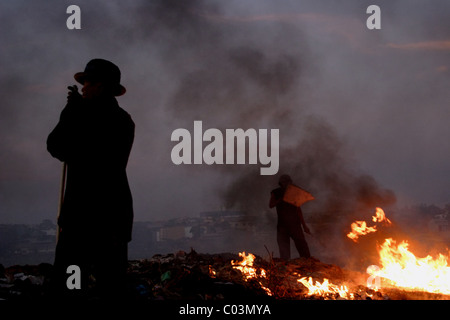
<point x="360" y="228"/>
<point x="380" y="216"/>
<point x="212" y="272"/>
<point x="404" y="269"/>
<point x="246" y="265"/>
<point x="325" y="288"/>
<point x="249" y="271"/>
<point x="401" y="266"/>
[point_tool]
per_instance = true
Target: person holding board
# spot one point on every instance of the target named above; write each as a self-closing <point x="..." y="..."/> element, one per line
<point x="290" y="217"/>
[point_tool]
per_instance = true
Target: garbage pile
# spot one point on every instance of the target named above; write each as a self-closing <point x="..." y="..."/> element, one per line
<point x="219" y="277"/>
<point x="24" y="282"/>
<point x="191" y="276"/>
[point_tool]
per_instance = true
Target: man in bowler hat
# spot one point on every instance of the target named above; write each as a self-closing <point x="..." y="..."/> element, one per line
<point x="94" y="137"/>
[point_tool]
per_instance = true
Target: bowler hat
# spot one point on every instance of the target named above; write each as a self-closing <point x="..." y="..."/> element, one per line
<point x="104" y="71"/>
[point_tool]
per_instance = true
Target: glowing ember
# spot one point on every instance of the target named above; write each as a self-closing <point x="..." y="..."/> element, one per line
<point x="325" y="288"/>
<point x="212" y="272"/>
<point x="360" y="228"/>
<point x="404" y="269"/>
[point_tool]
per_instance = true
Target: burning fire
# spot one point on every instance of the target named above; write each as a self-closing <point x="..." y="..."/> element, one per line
<point x="404" y="269"/>
<point x="325" y="288"/>
<point x="401" y="266"/>
<point x="246" y="265"/>
<point x="360" y="228"/>
<point x="249" y="271"/>
<point x="380" y="216"/>
<point x="398" y="265"/>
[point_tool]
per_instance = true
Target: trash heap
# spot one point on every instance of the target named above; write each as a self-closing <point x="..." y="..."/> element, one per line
<point x="191" y="276"/>
<point x="220" y="277"/>
<point x="24" y="282"/>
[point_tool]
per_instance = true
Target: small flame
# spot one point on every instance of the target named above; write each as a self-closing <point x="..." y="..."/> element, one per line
<point x="360" y="228"/>
<point x="380" y="216"/>
<point x="212" y="272"/>
<point x="246" y="265"/>
<point x="249" y="271"/>
<point x="325" y="288"/>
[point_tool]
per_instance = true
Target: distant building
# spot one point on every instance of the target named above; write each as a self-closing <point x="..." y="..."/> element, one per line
<point x="221" y="214"/>
<point x="173" y="233"/>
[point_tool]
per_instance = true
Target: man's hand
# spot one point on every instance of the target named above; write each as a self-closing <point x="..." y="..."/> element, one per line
<point x="306" y="229"/>
<point x="73" y="96"/>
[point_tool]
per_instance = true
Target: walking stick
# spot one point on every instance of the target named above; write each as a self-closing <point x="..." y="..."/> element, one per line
<point x="61" y="196"/>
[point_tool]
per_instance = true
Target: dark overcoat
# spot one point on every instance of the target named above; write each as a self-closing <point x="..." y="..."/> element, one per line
<point x="95" y="138"/>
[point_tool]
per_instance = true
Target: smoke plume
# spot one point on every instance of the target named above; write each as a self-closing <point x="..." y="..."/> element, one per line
<point x="261" y="81"/>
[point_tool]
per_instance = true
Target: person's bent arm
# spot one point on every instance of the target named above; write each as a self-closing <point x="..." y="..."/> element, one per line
<point x="273" y="201"/>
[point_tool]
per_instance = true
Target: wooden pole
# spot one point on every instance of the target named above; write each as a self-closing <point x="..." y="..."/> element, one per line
<point x="61" y="196"/>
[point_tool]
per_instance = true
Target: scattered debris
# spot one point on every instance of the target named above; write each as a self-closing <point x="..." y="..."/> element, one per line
<point x="218" y="277"/>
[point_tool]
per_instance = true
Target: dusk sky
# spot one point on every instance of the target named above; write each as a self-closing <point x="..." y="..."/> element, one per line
<point x="348" y="101"/>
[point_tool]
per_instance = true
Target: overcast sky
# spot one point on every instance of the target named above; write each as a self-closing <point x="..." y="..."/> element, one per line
<point x="367" y="105"/>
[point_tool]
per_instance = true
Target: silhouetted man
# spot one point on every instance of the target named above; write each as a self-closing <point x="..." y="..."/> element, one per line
<point x="94" y="137"/>
<point x="290" y="222"/>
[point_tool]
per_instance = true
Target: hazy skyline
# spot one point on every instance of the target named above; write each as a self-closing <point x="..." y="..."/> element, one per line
<point x="369" y="106"/>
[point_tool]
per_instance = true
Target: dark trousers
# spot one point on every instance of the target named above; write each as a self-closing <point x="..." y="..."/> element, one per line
<point x="103" y="265"/>
<point x="286" y="231"/>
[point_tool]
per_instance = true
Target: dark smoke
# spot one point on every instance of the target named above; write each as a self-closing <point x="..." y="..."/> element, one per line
<point x="336" y="91"/>
<point x="320" y="164"/>
<point x="229" y="81"/>
<point x="254" y="84"/>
